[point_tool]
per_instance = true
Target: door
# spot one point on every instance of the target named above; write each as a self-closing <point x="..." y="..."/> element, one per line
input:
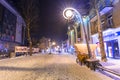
<point x="116" y="53"/>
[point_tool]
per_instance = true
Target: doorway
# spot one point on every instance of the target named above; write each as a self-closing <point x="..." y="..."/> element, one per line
<point x="113" y="49"/>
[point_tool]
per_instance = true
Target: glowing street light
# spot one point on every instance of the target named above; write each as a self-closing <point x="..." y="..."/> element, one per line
<point x="70" y="13"/>
<point x="53" y="43"/>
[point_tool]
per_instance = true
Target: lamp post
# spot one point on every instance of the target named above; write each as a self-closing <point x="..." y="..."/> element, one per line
<point x="49" y="45"/>
<point x="53" y="46"/>
<point x="69" y="14"/>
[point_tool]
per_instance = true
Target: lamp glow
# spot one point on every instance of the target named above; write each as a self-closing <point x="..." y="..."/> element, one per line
<point x="53" y="43"/>
<point x="69" y="13"/>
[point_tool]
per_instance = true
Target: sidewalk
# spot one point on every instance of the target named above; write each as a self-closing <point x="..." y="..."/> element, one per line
<point x="113" y="64"/>
<point x="47" y="67"/>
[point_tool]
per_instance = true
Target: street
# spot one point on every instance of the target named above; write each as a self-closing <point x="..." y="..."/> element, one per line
<point x="46" y="67"/>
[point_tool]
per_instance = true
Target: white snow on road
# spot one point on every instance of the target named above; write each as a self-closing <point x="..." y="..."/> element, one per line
<point x="46" y="67"/>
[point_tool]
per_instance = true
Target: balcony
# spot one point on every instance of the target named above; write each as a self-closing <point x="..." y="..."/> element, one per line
<point x="104" y="7"/>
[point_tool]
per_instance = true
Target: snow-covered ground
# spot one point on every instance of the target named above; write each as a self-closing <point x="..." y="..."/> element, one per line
<point x="46" y="67"/>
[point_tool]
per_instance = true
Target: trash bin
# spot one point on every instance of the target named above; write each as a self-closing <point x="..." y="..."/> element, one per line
<point x="12" y="54"/>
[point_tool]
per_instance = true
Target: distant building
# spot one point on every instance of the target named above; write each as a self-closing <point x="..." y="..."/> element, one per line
<point x="12" y="27"/>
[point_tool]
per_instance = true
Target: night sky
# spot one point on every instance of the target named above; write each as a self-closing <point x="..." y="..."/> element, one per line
<point x="51" y="22"/>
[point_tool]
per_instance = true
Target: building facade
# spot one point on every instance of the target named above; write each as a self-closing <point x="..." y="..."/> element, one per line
<point x="110" y="22"/>
<point x="12" y="27"/>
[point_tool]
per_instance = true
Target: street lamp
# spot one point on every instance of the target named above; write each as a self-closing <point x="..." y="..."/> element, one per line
<point x="49" y="45"/>
<point x="69" y="14"/>
<point x="53" y="43"/>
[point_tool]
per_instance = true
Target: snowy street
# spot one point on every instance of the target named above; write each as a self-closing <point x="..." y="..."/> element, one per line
<point x="46" y="67"/>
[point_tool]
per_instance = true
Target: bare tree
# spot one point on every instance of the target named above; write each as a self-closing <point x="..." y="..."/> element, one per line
<point x="30" y="14"/>
<point x="100" y="34"/>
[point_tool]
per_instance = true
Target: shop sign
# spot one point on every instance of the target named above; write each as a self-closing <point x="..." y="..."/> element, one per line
<point x="113" y="35"/>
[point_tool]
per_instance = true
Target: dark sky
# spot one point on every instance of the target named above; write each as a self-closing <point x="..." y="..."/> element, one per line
<point x="51" y="21"/>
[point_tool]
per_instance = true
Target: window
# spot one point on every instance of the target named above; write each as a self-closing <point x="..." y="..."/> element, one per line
<point x="9" y="26"/>
<point x="102" y="22"/>
<point x="110" y="21"/>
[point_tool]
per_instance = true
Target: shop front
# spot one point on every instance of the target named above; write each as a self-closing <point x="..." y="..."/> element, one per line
<point x="113" y="49"/>
<point x="111" y="42"/>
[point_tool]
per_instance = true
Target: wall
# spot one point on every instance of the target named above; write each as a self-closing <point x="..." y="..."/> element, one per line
<point x="18" y="37"/>
<point x="116" y="14"/>
<point x="12" y="25"/>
